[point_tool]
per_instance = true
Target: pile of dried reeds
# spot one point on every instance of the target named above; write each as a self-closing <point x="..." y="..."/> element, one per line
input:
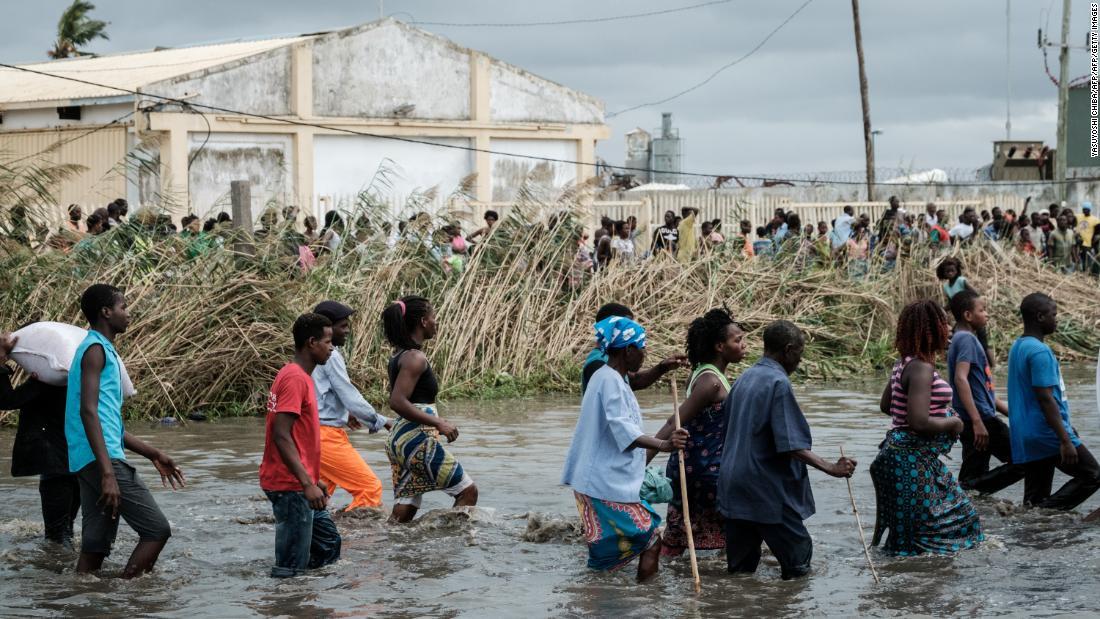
<point x="209" y="333"/>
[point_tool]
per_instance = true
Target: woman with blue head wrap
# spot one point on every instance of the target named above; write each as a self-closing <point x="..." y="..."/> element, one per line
<point x="639" y="380"/>
<point x="606" y="462"/>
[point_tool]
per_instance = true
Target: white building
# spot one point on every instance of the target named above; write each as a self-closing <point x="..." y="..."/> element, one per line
<point x="384" y="78"/>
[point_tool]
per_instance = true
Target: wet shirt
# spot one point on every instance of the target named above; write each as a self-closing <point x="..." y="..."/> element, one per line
<point x="758" y="479"/>
<point x="1060" y="246"/>
<point x="600" y="462"/>
<point x="337" y="397"/>
<point x="109" y="409"/>
<point x="965" y="347"/>
<point x="1031" y="363"/>
<point x="292" y="393"/>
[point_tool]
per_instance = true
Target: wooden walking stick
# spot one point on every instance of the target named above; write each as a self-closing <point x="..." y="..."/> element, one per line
<point x="684" y="494"/>
<point x="859" y="525"/>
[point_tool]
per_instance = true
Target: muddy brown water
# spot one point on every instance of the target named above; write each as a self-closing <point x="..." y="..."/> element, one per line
<point x="489" y="564"/>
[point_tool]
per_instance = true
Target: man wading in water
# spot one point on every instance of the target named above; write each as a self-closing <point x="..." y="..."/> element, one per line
<point x="305" y="536"/>
<point x="109" y="486"/>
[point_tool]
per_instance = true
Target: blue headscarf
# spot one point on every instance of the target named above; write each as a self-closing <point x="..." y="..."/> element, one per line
<point x="619" y="332"/>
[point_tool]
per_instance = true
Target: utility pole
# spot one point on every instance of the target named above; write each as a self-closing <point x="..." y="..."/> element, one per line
<point x="381" y="9"/>
<point x="1008" y="69"/>
<point x="868" y="146"/>
<point x="1063" y="99"/>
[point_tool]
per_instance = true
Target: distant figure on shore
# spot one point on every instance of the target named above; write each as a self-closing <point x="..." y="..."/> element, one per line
<point x="763" y="485"/>
<point x="305" y="536"/>
<point x="665" y="238"/>
<point x="418" y="459"/>
<point x="1043" y="436"/>
<point x="605" y="464"/>
<point x="96" y="437"/>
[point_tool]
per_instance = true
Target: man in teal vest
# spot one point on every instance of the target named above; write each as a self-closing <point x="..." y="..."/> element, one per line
<point x="97" y="440"/>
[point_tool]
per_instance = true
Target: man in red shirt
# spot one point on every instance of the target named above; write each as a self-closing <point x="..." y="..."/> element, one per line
<point x="305" y="536"/>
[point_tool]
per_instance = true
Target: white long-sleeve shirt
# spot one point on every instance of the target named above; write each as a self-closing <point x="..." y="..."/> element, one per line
<point x="337" y="397"/>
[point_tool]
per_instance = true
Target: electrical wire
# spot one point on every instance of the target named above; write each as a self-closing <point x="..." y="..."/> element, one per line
<point x="715" y="74"/>
<point x="590" y="20"/>
<point x="398" y="138"/>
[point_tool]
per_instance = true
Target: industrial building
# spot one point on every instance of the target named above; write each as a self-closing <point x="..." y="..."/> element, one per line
<point x="384" y="79"/>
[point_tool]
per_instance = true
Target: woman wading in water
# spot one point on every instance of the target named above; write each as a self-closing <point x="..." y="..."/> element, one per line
<point x="419" y="460"/>
<point x="713" y="342"/>
<point x="921" y="508"/>
<point x="605" y="464"/>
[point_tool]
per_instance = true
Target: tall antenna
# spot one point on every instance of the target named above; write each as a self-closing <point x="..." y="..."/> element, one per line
<point x="381" y="9"/>
<point x="1008" y="69"/>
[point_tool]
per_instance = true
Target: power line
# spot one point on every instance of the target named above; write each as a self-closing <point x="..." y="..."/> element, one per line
<point x="591" y="20"/>
<point x="398" y="138"/>
<point x="720" y="69"/>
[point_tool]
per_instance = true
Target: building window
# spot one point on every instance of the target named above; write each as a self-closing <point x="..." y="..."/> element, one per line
<point x="69" y="112"/>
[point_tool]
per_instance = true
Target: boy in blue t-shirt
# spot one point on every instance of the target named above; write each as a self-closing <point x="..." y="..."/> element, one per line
<point x="976" y="402"/>
<point x="1042" y="437"/>
<point x="109" y="485"/>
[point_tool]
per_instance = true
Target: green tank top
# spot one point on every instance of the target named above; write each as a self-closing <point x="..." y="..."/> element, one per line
<point x="702" y="369"/>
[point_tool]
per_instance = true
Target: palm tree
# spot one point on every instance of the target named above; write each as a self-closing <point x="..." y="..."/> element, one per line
<point x="75" y="30"/>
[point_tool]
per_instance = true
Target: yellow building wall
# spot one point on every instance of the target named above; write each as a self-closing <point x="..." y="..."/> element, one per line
<point x="102" y="155"/>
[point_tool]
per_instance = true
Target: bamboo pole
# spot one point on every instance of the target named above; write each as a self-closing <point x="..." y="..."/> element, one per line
<point x="859" y="525"/>
<point x="684" y="495"/>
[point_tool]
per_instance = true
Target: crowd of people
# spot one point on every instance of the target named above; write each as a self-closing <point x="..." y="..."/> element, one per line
<point x="745" y="443"/>
<point x="1067" y="240"/>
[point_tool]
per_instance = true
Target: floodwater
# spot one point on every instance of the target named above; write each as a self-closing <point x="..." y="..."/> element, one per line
<point x="518" y="556"/>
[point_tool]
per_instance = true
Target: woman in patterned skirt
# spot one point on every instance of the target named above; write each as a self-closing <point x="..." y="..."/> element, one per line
<point x="921" y="507"/>
<point x="713" y="342"/>
<point x="419" y="461"/>
<point x="605" y="464"/>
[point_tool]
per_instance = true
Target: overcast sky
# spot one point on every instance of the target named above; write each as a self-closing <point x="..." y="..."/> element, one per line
<point x="936" y="68"/>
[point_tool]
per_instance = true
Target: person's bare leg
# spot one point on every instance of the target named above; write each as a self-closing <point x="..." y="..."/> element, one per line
<point x="89" y="562"/>
<point x="402" y="513"/>
<point x="467" y="498"/>
<point x="649" y="562"/>
<point x="143" y="558"/>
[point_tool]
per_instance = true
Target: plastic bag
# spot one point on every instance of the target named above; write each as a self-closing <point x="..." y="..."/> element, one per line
<point x="47" y="350"/>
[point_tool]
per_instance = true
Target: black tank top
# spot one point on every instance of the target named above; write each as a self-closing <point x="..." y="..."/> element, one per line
<point x="426" y="388"/>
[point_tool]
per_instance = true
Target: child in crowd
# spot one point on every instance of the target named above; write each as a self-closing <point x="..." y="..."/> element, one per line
<point x="974" y="399"/>
<point x="949" y="271"/>
<point x="305" y="536"/>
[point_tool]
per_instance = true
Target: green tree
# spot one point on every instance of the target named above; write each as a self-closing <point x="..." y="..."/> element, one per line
<point x="75" y="30"/>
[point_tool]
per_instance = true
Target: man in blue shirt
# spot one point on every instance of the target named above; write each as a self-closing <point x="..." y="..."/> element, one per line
<point x="763" y="488"/>
<point x="1042" y="436"/>
<point x="109" y="485"/>
<point x="341" y="406"/>
<point x="842" y="227"/>
<point x="974" y="399"/>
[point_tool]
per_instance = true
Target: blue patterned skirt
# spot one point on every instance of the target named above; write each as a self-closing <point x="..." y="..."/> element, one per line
<point x="616" y="532"/>
<point x="921" y="507"/>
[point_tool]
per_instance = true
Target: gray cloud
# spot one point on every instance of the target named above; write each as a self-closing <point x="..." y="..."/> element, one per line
<point x="936" y="68"/>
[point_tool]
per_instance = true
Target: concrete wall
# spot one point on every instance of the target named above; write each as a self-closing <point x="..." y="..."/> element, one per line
<point x="370" y="71"/>
<point x="263" y="159"/>
<point x="546" y="178"/>
<point x="46" y="118"/>
<point x="518" y="96"/>
<point x="258" y="84"/>
<point x="345" y="165"/>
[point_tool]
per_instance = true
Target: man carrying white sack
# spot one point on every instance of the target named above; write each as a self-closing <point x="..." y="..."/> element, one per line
<point x="40" y="447"/>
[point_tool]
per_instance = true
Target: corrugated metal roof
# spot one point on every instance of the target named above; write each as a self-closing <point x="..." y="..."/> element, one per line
<point x="129" y="70"/>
